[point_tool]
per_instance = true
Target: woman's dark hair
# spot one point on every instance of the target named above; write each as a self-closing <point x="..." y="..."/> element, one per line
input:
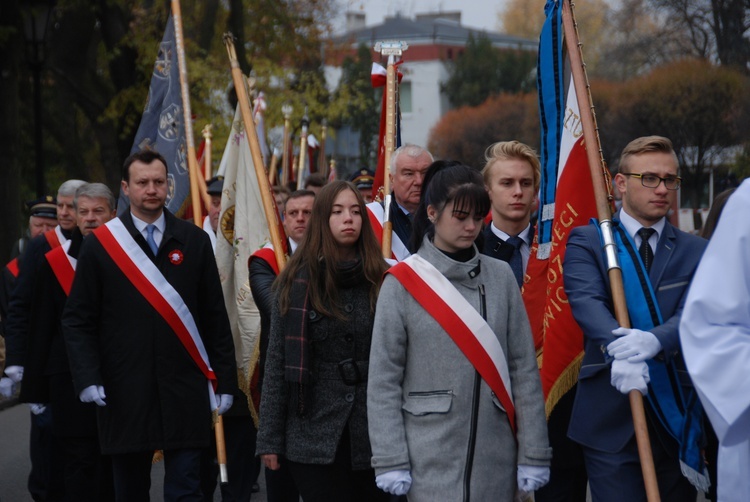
<point x="448" y="181"/>
<point x="318" y="255"/>
<point x="713" y="215"/>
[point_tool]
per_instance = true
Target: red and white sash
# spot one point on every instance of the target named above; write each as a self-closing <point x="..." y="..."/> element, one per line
<point x="471" y="333"/>
<point x="55" y="237"/>
<point x="151" y="283"/>
<point x="63" y="265"/>
<point x="376" y="213"/>
<point x="267" y="254"/>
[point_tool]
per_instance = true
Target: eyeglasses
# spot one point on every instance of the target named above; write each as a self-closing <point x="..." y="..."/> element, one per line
<point x="653" y="181"/>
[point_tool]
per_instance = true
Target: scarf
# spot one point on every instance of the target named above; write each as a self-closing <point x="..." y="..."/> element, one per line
<point x="679" y="412"/>
<point x="298" y="358"/>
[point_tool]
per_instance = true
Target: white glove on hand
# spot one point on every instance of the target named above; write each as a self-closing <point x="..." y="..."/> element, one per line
<point x="634" y="345"/>
<point x="93" y="394"/>
<point x="37" y="408"/>
<point x="396" y="482"/>
<point x="15" y="373"/>
<point x="7" y="387"/>
<point x="532" y="477"/>
<point x="627" y="376"/>
<point x="224" y="402"/>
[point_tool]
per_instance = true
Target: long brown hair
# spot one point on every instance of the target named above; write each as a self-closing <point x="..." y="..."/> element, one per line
<point x="318" y="255"/>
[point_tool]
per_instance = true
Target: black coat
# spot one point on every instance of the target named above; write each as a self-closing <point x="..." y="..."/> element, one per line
<point x="19" y="308"/>
<point x="46" y="377"/>
<point x="336" y="404"/>
<point x="157" y="398"/>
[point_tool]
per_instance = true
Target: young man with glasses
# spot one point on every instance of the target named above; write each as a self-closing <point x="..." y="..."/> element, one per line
<point x="658" y="262"/>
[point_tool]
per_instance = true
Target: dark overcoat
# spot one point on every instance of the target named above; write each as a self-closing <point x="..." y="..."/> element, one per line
<point x="157" y="398"/>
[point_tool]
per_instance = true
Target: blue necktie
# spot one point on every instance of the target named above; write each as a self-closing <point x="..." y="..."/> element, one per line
<point x="516" y="260"/>
<point x="150" y="239"/>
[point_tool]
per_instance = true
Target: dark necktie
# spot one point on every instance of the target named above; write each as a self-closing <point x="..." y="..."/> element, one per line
<point x="150" y="239"/>
<point x="647" y="254"/>
<point x="516" y="260"/>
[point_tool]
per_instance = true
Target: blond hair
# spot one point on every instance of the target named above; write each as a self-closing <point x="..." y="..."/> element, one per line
<point x="509" y="150"/>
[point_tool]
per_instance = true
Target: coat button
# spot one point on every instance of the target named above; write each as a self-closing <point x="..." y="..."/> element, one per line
<point x="312" y="315"/>
<point x="348" y="308"/>
<point x="349" y="397"/>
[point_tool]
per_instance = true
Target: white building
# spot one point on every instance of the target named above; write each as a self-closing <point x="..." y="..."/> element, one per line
<point x="433" y="39"/>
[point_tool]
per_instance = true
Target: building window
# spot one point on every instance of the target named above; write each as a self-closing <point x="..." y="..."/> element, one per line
<point x="404" y="91"/>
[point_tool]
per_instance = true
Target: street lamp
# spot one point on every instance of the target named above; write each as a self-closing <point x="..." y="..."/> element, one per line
<point x="37" y="15"/>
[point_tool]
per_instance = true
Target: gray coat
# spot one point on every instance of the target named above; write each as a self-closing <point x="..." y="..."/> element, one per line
<point x="336" y="403"/>
<point x="423" y="391"/>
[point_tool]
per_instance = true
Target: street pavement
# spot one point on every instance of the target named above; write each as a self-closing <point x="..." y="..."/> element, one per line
<point x="15" y="465"/>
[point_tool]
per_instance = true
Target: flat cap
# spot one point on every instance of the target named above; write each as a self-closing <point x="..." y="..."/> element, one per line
<point x="44" y="207"/>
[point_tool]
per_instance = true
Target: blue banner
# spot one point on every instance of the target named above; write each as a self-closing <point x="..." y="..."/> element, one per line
<point x="162" y="126"/>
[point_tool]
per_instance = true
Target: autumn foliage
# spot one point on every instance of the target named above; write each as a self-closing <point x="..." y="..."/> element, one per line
<point x="465" y="133"/>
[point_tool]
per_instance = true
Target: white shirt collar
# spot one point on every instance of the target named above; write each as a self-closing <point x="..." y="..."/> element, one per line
<point x="140" y="225"/>
<point x="524" y="235"/>
<point x="292" y="246"/>
<point x="632" y="226"/>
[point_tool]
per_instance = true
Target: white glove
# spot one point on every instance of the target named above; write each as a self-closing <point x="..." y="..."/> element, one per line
<point x="627" y="376"/>
<point x="15" y="373"/>
<point x="396" y="482"/>
<point x="532" y="477"/>
<point x="224" y="402"/>
<point x="93" y="394"/>
<point x="7" y="387"/>
<point x="634" y="345"/>
<point x="37" y="408"/>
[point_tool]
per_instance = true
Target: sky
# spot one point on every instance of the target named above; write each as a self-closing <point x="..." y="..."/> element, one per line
<point x="474" y="13"/>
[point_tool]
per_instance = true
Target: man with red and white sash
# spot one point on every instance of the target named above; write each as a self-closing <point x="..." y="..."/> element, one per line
<point x="409" y="164"/>
<point x="148" y="337"/>
<point x="47" y="381"/>
<point x="45" y="478"/>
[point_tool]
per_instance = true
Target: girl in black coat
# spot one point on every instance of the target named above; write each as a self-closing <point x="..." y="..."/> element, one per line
<point x="313" y="408"/>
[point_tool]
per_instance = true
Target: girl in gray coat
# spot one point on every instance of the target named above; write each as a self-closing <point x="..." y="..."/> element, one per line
<point x="454" y="396"/>
<point x="313" y="409"/>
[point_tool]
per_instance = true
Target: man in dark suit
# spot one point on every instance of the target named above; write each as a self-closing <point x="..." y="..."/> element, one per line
<point x="618" y="360"/>
<point x="47" y="381"/>
<point x="511" y="174"/>
<point x="148" y="337"/>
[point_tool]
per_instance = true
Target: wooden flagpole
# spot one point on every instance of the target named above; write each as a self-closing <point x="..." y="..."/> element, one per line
<point x="390" y="49"/>
<point x="302" y="149"/>
<point x="207" y="136"/>
<point x="252" y="139"/>
<point x="322" y="165"/>
<point x="286" y="110"/>
<point x="221" y="454"/>
<point x="603" y="207"/>
<point x="187" y="114"/>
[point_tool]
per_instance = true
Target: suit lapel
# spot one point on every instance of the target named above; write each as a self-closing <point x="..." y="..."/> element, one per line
<point x="665" y="248"/>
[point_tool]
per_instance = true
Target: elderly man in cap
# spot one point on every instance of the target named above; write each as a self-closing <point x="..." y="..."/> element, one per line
<point x="214" y="186"/>
<point x="42" y="217"/>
